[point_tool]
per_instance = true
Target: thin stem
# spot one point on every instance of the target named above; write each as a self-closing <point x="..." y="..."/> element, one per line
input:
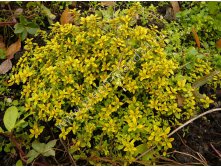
<point x="70" y="157"/>
<point x="193" y="119"/>
<point x="191" y="156"/>
<point x="185" y="124"/>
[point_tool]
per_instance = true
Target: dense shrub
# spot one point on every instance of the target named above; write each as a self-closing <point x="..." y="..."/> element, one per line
<point x="108" y="85"/>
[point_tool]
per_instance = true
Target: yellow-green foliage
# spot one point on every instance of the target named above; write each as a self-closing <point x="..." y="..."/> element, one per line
<point x="108" y="85"/>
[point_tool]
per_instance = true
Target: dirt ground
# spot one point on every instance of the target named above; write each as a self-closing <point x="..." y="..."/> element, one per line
<point x="201" y="143"/>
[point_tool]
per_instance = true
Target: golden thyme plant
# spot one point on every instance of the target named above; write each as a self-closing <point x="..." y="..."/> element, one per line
<point x="108" y="85"/>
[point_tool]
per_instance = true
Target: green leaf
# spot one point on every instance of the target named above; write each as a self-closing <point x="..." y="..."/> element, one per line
<point x="49" y="153"/>
<point x="32" y="25"/>
<point x="7" y="148"/>
<point x="47" y="12"/>
<point x="76" y="157"/>
<point x="19" y="163"/>
<point x="32" y="30"/>
<point x="24" y="34"/>
<point x="140" y="149"/>
<point x="39" y="147"/>
<point x="50" y="144"/>
<point x="147" y="156"/>
<point x="32" y="155"/>
<point x="2" y="54"/>
<point x="200" y="56"/>
<point x="23" y="20"/>
<point x="19" y="28"/>
<point x="31" y="4"/>
<point x="15" y="102"/>
<point x="10" y="117"/>
<point x="192" y="51"/>
<point x="189" y="66"/>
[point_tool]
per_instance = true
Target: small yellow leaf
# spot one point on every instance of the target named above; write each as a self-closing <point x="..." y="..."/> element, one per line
<point x="169" y="145"/>
<point x="167" y="130"/>
<point x="150" y="137"/>
<point x="66" y="17"/>
<point x="13" y="48"/>
<point x="164" y="153"/>
<point x="171" y="139"/>
<point x="157" y="138"/>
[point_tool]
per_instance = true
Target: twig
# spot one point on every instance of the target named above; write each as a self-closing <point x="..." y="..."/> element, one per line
<point x="13" y="22"/>
<point x="10" y="23"/>
<point x="145" y="153"/>
<point x="205" y="164"/>
<point x="103" y="159"/>
<point x="193" y="119"/>
<point x="56" y="161"/>
<point x="218" y="153"/>
<point x="13" y="17"/>
<point x="70" y="157"/>
<point x="170" y="160"/>
<point x="18" y="146"/>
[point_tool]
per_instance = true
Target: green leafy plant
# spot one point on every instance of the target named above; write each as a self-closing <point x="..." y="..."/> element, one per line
<point x="24" y="27"/>
<point x="41" y="149"/>
<point x="38" y="12"/>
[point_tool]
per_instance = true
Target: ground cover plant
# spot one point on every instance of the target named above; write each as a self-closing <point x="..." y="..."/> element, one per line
<point x="106" y="85"/>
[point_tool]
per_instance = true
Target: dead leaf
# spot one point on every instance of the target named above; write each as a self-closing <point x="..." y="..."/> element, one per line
<point x="176" y="7"/>
<point x="13" y="48"/>
<point x="180" y="100"/>
<point x="196" y="37"/>
<point x="66" y="17"/>
<point x="2" y="44"/>
<point x="108" y="3"/>
<point x="18" y="12"/>
<point x="5" y="66"/>
<point x="218" y="43"/>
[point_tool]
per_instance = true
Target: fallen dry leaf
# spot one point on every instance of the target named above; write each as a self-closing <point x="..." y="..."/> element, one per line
<point x="66" y="17"/>
<point x="196" y="37"/>
<point x="180" y="100"/>
<point x="18" y="12"/>
<point x="13" y="48"/>
<point x="108" y="3"/>
<point x="2" y="44"/>
<point x="176" y="7"/>
<point x="5" y="66"/>
<point x="218" y="43"/>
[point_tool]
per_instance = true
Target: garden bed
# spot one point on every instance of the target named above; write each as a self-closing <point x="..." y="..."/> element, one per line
<point x="106" y="83"/>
